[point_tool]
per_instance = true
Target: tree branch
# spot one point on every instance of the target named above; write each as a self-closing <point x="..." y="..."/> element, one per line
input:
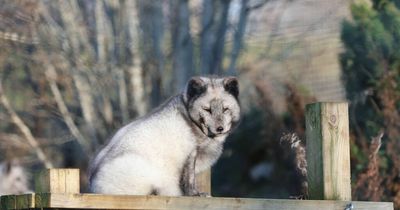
<point x="51" y="75"/>
<point x="25" y="130"/>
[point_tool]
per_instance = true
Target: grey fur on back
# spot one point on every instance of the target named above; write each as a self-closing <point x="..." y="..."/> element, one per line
<point x="149" y="155"/>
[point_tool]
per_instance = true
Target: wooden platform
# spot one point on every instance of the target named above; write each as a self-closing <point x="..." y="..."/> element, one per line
<point x="95" y="201"/>
<point x="328" y="158"/>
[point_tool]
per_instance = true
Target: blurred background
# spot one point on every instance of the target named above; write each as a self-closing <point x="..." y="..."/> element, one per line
<point x="73" y="72"/>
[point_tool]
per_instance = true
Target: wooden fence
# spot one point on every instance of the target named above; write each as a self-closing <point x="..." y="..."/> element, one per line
<point x="328" y="157"/>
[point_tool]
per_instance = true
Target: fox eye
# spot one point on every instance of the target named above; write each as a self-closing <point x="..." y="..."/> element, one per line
<point x="225" y="109"/>
<point x="207" y="109"/>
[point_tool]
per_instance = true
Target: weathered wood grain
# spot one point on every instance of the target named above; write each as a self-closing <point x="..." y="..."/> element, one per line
<point x="328" y="151"/>
<point x="203" y="181"/>
<point x="26" y="201"/>
<point x="8" y="202"/>
<point x="96" y="201"/>
<point x="57" y="181"/>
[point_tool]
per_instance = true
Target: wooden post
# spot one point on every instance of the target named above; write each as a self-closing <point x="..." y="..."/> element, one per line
<point x="57" y="181"/>
<point x="328" y="151"/>
<point x="203" y="181"/>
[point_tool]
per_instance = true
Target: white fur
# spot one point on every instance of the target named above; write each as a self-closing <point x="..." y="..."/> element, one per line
<point x="13" y="181"/>
<point x="150" y="153"/>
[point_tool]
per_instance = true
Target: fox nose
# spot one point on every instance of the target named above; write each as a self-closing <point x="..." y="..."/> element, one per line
<point x="220" y="129"/>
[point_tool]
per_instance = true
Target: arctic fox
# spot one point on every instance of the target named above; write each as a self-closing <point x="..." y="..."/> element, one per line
<point x="160" y="153"/>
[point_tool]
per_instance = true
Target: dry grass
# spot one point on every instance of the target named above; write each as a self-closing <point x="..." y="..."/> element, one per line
<point x="369" y="183"/>
<point x="380" y="179"/>
<point x="295" y="144"/>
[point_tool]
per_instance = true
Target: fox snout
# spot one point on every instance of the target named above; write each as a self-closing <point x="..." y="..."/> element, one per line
<point x="218" y="128"/>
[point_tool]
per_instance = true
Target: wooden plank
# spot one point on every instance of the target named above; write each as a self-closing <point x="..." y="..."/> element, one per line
<point x="57" y="181"/>
<point x="72" y="181"/>
<point x="8" y="202"/>
<point x="203" y="181"/>
<point x="26" y="201"/>
<point x="96" y="201"/>
<point x="328" y="151"/>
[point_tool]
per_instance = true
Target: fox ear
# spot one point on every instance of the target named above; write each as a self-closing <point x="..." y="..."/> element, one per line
<point x="231" y="86"/>
<point x="195" y="87"/>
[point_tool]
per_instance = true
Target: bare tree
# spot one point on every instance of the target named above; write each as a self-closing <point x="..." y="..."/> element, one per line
<point x="151" y="40"/>
<point x="238" y="37"/>
<point x="135" y="72"/>
<point x="182" y="44"/>
<point x="24" y="129"/>
<point x="240" y="30"/>
<point x="104" y="45"/>
<point x="51" y="76"/>
<point x="214" y="22"/>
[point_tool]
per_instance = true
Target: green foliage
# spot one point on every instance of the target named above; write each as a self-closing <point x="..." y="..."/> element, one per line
<point x="372" y="43"/>
<point x="370" y="65"/>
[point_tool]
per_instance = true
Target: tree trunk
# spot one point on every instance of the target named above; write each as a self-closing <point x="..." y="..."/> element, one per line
<point x="151" y="36"/>
<point x="138" y="93"/>
<point x="135" y="70"/>
<point x="238" y="37"/>
<point x="182" y="45"/>
<point x="80" y="45"/>
<point x="218" y="49"/>
<point x="101" y="33"/>
<point x="214" y="27"/>
<point x="123" y="96"/>
<point x="206" y="36"/>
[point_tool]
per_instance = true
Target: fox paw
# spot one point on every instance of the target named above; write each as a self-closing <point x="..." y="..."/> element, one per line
<point x="200" y="194"/>
<point x="203" y="194"/>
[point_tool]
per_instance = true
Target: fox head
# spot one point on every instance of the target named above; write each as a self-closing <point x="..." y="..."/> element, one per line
<point x="13" y="178"/>
<point x="212" y="104"/>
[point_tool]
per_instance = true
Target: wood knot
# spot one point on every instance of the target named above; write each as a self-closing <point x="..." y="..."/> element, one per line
<point x="333" y="122"/>
<point x="333" y="119"/>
